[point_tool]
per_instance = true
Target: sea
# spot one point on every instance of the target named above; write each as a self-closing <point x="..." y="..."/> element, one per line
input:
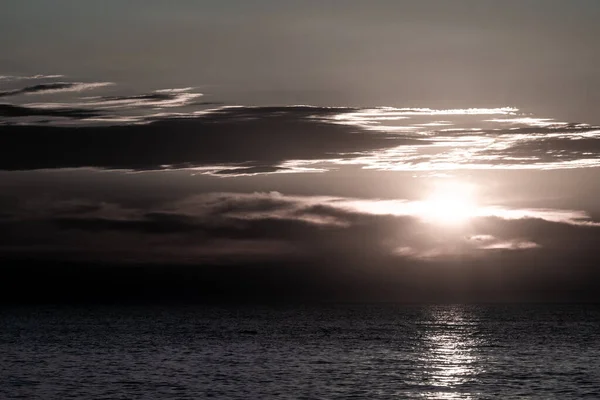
<point x="326" y="351"/>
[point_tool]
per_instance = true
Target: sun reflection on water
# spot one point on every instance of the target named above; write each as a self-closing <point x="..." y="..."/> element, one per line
<point x="449" y="365"/>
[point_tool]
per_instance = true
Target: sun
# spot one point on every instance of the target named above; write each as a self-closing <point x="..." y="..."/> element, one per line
<point x="450" y="203"/>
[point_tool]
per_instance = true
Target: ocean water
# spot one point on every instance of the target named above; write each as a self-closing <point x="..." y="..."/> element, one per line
<point x="326" y="352"/>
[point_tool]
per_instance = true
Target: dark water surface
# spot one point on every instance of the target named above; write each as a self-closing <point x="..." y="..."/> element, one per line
<point x="343" y="351"/>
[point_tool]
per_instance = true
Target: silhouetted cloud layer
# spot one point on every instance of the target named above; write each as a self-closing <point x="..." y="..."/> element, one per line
<point x="171" y="129"/>
<point x="261" y="139"/>
<point x="233" y="141"/>
<point x="325" y="247"/>
<point x="323" y="223"/>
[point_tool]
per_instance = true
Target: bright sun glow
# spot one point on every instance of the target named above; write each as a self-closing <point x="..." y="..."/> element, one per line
<point x="451" y="203"/>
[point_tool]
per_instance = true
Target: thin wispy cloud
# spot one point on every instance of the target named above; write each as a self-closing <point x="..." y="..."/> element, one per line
<point x="55" y="87"/>
<point x="116" y="109"/>
<point x="30" y="77"/>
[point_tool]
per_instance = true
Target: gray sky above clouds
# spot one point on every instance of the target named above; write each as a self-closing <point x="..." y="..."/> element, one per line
<point x="538" y="55"/>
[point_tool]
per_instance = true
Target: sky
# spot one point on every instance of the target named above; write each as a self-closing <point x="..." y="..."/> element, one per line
<point x="279" y="150"/>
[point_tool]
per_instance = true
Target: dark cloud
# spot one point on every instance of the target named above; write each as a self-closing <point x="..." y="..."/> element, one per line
<point x="148" y="96"/>
<point x="168" y="98"/>
<point x="9" y="110"/>
<point x="168" y="129"/>
<point x="324" y="224"/>
<point x="54" y="87"/>
<point x="226" y="247"/>
<point x="265" y="137"/>
<point x="97" y="110"/>
<point x="135" y="107"/>
<point x="548" y="150"/>
<point x="149" y="225"/>
<point x="42" y="87"/>
<point x="259" y="169"/>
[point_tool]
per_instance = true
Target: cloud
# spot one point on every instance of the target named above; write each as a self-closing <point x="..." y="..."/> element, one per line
<point x="274" y="245"/>
<point x="188" y="133"/>
<point x="9" y="110"/>
<point x="422" y="209"/>
<point x="319" y="224"/>
<point x="287" y="139"/>
<point x="152" y="224"/>
<point x="572" y="150"/>
<point x="30" y="77"/>
<point x="382" y="118"/>
<point x="469" y="140"/>
<point x="256" y="170"/>
<point x="261" y="139"/>
<point x="115" y="109"/>
<point x="55" y="87"/>
<point x="511" y="245"/>
<point x="167" y="98"/>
